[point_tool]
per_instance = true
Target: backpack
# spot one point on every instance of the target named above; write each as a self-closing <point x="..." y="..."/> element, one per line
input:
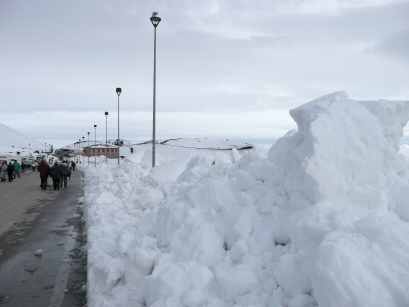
<point x="65" y="170"/>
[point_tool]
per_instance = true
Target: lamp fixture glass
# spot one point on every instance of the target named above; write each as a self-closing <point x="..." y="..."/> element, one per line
<point x="155" y="19"/>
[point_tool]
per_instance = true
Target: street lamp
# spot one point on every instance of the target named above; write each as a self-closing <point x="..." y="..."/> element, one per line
<point x="155" y="19"/>
<point x="82" y="154"/>
<point x="106" y="136"/>
<point x="118" y="92"/>
<point x="88" y="148"/>
<point x="95" y="148"/>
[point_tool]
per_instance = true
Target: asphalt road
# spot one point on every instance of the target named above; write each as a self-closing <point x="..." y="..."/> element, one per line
<point x="51" y="221"/>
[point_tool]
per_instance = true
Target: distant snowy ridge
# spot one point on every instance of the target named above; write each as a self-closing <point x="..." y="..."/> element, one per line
<point x="205" y="143"/>
<point x="322" y="219"/>
<point x="197" y="143"/>
<point x="12" y="141"/>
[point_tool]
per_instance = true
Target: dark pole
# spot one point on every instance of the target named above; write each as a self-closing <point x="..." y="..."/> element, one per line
<point x="155" y="19"/>
<point x="82" y="151"/>
<point x="88" y="149"/>
<point x="95" y="148"/>
<point x="106" y="136"/>
<point x="118" y="92"/>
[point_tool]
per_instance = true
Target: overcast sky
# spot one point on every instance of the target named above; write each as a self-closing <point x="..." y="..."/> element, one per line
<point x="230" y="69"/>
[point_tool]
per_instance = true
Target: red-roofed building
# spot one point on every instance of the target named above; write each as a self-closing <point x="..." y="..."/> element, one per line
<point x="100" y="150"/>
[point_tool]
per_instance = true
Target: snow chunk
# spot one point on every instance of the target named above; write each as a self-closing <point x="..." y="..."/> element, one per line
<point x="342" y="153"/>
<point x="364" y="265"/>
<point x="179" y="284"/>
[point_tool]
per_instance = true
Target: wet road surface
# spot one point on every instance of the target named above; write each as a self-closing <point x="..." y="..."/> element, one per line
<point x="51" y="221"/>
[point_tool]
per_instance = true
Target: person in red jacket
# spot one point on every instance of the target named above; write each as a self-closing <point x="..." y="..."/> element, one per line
<point x="44" y="173"/>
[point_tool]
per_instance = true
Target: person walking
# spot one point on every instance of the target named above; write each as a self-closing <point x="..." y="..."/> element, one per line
<point x="44" y="172"/>
<point x="65" y="174"/>
<point x="17" y="169"/>
<point x="10" y="171"/>
<point x="56" y="174"/>
<point x="49" y="171"/>
<point x="3" y="171"/>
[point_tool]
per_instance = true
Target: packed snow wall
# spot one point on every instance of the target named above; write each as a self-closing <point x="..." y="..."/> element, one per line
<point x="344" y="152"/>
<point x="320" y="220"/>
<point x="343" y="178"/>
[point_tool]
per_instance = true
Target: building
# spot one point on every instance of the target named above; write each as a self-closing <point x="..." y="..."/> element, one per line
<point x="100" y="150"/>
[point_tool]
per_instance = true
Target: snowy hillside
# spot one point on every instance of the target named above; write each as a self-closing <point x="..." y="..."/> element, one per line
<point x="13" y="141"/>
<point x="321" y="219"/>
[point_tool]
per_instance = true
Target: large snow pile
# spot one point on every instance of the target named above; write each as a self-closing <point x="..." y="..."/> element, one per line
<point x="322" y="219"/>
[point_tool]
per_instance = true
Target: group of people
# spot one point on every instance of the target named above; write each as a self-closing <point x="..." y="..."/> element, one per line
<point x="10" y="171"/>
<point x="60" y="173"/>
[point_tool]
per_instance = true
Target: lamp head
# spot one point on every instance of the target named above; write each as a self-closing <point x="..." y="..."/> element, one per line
<point x="106" y="113"/>
<point x="95" y="126"/>
<point x="118" y="91"/>
<point x="155" y="19"/>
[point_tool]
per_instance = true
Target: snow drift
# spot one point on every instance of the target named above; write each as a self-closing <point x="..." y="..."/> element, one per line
<point x="320" y="220"/>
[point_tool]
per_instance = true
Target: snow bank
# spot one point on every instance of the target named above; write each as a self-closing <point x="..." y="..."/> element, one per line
<point x="320" y="220"/>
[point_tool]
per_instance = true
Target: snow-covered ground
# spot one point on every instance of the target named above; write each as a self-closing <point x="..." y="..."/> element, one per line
<point x="320" y="219"/>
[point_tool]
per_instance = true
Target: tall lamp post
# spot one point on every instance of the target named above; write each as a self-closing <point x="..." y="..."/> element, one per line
<point x="88" y="148"/>
<point x="118" y="92"/>
<point x="82" y="154"/>
<point x="106" y="136"/>
<point x="155" y="19"/>
<point x="95" y="148"/>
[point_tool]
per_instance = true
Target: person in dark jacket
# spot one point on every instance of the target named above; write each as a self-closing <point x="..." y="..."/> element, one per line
<point x="65" y="174"/>
<point x="44" y="172"/>
<point x="10" y="171"/>
<point x="49" y="172"/>
<point x="56" y="174"/>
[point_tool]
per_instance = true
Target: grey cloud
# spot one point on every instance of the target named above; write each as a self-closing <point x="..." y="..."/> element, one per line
<point x="396" y="45"/>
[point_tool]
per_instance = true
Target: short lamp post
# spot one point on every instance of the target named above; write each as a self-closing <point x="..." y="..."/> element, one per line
<point x="95" y="147"/>
<point x="88" y="151"/>
<point x="155" y="19"/>
<point x="118" y="92"/>
<point x="106" y="136"/>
